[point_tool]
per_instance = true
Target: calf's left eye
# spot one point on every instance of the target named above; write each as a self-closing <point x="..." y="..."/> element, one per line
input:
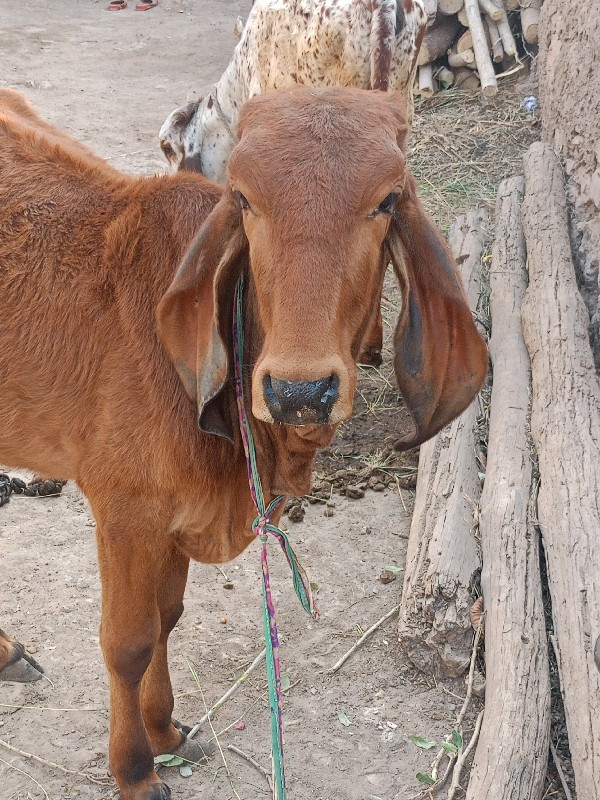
<point x="387" y="206"/>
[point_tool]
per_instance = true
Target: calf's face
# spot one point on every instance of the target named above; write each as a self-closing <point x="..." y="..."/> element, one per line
<point x="315" y="185"/>
<point x="318" y="201"/>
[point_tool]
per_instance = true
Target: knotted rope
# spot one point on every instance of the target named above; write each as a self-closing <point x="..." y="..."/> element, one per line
<point x="262" y="527"/>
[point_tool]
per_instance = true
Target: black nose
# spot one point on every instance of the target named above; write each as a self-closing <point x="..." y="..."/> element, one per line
<point x="301" y="403"/>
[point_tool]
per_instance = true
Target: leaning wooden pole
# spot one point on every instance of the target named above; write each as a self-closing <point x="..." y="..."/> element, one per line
<point x="565" y="425"/>
<point x="443" y="556"/>
<point x="511" y="757"/>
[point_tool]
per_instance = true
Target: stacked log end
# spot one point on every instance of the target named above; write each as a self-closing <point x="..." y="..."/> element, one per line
<point x="478" y="35"/>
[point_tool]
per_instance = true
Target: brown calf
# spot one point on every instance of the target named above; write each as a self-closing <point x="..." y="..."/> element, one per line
<point x="120" y="389"/>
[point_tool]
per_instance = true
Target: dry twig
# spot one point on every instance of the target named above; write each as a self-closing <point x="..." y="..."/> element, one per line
<point x="362" y="640"/>
<point x="255" y="764"/>
<point x="27" y="775"/>
<point x="229" y="693"/>
<point x="460" y="761"/>
<point x="561" y="774"/>
<point x="46" y="763"/>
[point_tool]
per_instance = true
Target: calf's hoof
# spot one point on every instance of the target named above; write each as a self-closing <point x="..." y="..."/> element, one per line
<point x="23" y="668"/>
<point x="157" y="790"/>
<point x="195" y="751"/>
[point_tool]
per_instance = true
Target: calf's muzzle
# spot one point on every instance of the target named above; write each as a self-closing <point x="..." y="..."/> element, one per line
<point x="301" y="402"/>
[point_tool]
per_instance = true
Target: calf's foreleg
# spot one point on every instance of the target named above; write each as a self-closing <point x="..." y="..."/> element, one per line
<point x="131" y="553"/>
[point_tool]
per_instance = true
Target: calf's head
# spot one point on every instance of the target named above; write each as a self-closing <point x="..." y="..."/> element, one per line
<point x="318" y="201"/>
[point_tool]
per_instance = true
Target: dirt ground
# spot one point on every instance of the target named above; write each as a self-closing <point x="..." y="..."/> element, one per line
<point x="110" y="78"/>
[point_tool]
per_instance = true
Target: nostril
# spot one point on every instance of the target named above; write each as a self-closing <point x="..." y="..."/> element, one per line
<point x="301" y="402"/>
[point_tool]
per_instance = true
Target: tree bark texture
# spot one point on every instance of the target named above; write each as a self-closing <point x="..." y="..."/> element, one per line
<point x="565" y="425"/>
<point x="434" y="626"/>
<point x="511" y="757"/>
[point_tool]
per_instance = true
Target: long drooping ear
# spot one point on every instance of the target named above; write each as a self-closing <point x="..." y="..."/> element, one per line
<point x="440" y="358"/>
<point x="194" y="316"/>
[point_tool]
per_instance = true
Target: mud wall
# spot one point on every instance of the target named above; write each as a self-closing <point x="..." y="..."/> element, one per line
<point x="569" y="78"/>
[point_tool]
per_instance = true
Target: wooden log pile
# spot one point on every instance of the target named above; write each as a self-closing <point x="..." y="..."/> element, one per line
<point x="540" y="494"/>
<point x="472" y="43"/>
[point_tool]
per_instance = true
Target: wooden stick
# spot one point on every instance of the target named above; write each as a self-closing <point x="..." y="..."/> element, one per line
<point x="487" y="76"/>
<point x="517" y="674"/>
<point x="426" y="88"/>
<point x="27" y="775"/>
<point x="228" y="694"/>
<point x="495" y="40"/>
<point x="434" y="627"/>
<point x="460" y="761"/>
<point x="491" y="9"/>
<point x="46" y="763"/>
<point x="444" y="77"/>
<point x="530" y="14"/>
<point x="437" y="40"/>
<point x="565" y="426"/>
<point x="464" y="59"/>
<point x="466" y="79"/>
<point x="450" y="6"/>
<point x="508" y="40"/>
<point x="363" y="639"/>
<point x="431" y="11"/>
<point x="258" y="767"/>
<point x="561" y="774"/>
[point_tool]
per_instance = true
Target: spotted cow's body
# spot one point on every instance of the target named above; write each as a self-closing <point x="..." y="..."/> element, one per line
<point x="367" y="44"/>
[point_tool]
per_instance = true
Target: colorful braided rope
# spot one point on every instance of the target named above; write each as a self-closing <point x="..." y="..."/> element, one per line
<point x="262" y="527"/>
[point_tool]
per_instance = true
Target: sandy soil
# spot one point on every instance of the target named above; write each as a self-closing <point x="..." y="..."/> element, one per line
<point x="110" y="79"/>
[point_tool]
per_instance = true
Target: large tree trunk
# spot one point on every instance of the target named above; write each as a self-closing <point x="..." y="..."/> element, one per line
<point x="511" y="757"/>
<point x="565" y="425"/>
<point x="434" y="626"/>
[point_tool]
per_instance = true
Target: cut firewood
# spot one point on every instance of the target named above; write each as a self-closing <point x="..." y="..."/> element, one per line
<point x="464" y="59"/>
<point x="444" y="77"/>
<point x="450" y="6"/>
<point x="426" y="87"/>
<point x="530" y="14"/>
<point x="462" y="17"/>
<point x="431" y="11"/>
<point x="492" y="9"/>
<point x="437" y="40"/>
<point x="487" y="76"/>
<point x="466" y="79"/>
<point x="495" y="41"/>
<point x="464" y="42"/>
<point x="508" y="40"/>
<point x="565" y="425"/>
<point x="434" y="626"/>
<point x="511" y="756"/>
<point x="511" y="5"/>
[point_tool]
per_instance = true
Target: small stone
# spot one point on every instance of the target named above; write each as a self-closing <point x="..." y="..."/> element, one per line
<point x="328" y="512"/>
<point x="296" y="513"/>
<point x="228" y="585"/>
<point x="368" y="530"/>
<point x="379" y="487"/>
<point x="354" y="492"/>
<point x="387" y="576"/>
<point x="372" y="481"/>
<point x="223" y="620"/>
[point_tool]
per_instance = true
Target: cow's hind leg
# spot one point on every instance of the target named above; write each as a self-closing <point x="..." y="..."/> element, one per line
<point x="131" y="551"/>
<point x="167" y="735"/>
<point x="15" y="662"/>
